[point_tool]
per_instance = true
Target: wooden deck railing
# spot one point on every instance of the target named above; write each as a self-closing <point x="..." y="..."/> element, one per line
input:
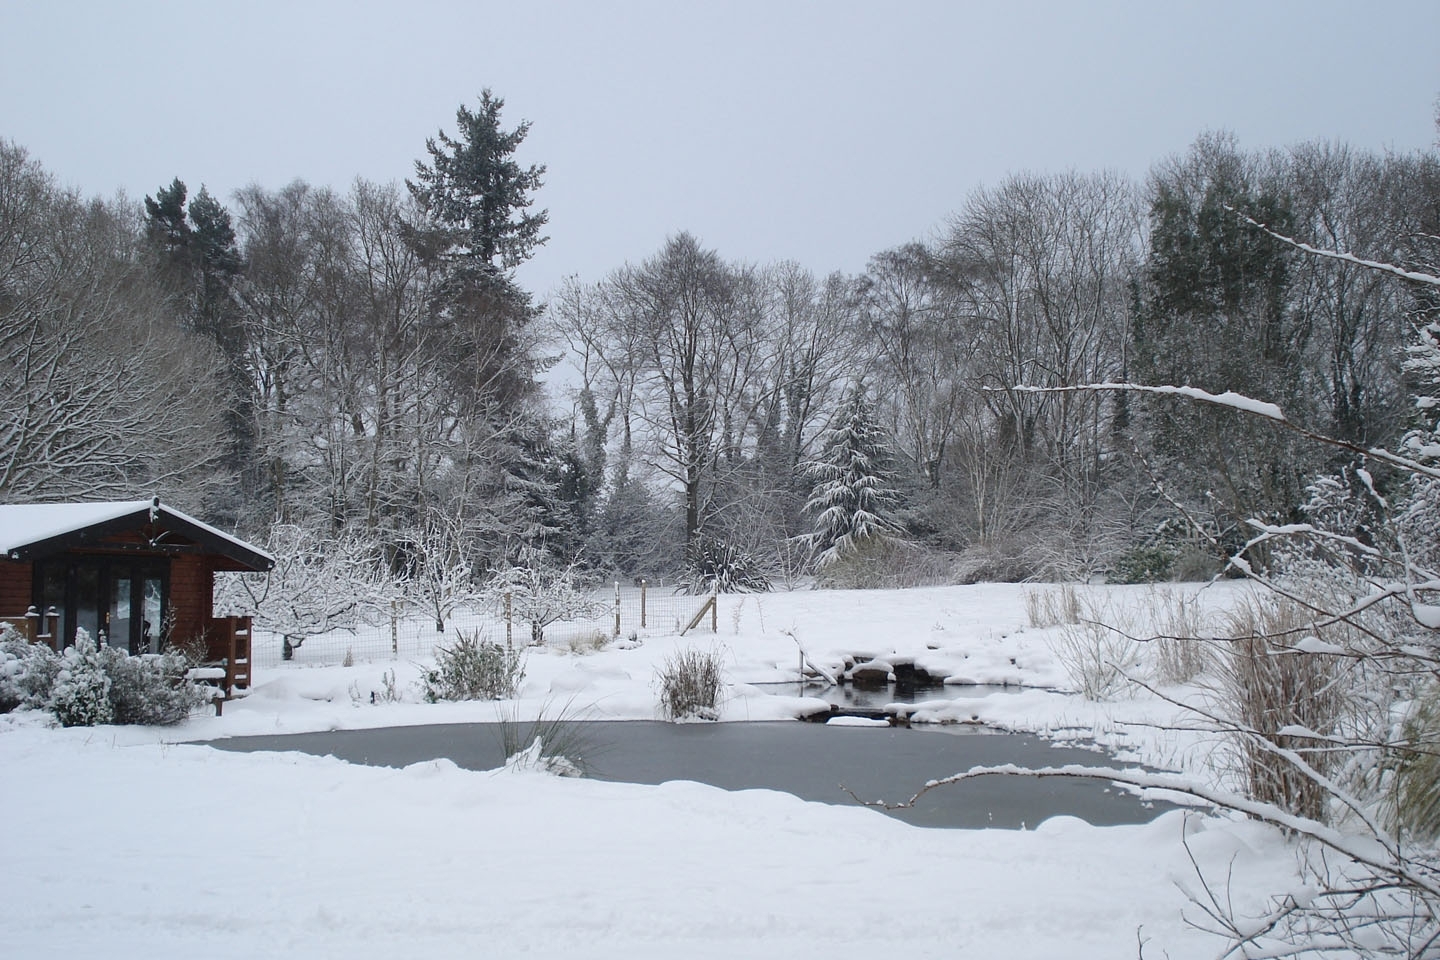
<point x="230" y="647"/>
<point x="38" y="627"/>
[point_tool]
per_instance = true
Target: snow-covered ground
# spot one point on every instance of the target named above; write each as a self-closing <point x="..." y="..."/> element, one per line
<point x="123" y="840"/>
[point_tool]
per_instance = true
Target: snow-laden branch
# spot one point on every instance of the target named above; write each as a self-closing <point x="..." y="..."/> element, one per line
<point x="831" y="675"/>
<point x="1389" y="268"/>
<point x="1229" y="398"/>
<point x="1249" y="405"/>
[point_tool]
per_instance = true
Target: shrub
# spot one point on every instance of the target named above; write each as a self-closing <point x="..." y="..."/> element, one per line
<point x="1097" y="658"/>
<point x="87" y="685"/>
<point x="1146" y="563"/>
<point x="12" y="673"/>
<point x="715" y="564"/>
<point x="1178" y="656"/>
<point x="591" y="641"/>
<point x="886" y="564"/>
<point x="983" y="564"/>
<point x="27" y="672"/>
<point x="81" y="695"/>
<point x="690" y="685"/>
<point x="474" y="668"/>
<point x="150" y="690"/>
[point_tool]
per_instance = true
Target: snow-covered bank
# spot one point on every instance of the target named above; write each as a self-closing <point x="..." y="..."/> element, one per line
<point x="966" y="634"/>
<point x="125" y="850"/>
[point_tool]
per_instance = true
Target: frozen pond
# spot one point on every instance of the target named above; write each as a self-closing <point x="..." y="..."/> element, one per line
<point x="811" y="761"/>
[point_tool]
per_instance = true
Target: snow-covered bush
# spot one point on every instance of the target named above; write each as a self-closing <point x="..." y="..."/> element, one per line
<point x="1176" y="655"/>
<point x="1144" y="563"/>
<point x="150" y="690"/>
<point x="12" y="669"/>
<point x="81" y="695"/>
<point x="87" y="685"/>
<point x="887" y="564"/>
<point x="691" y="682"/>
<point x="1098" y="659"/>
<point x="474" y="668"/>
<point x="27" y="671"/>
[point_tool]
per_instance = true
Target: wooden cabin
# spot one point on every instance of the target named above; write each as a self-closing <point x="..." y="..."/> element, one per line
<point x="134" y="574"/>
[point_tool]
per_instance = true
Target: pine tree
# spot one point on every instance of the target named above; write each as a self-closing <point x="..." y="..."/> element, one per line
<point x="477" y="199"/>
<point x="198" y="261"/>
<point x="476" y="193"/>
<point x="165" y="224"/>
<point x="853" y="498"/>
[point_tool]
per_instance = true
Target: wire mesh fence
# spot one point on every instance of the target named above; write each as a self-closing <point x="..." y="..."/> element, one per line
<point x="409" y="633"/>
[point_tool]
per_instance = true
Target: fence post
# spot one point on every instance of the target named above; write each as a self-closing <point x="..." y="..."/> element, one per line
<point x="715" y="609"/>
<point x="394" y="629"/>
<point x="508" y="620"/>
<point x="617" y="609"/>
<point x="52" y="625"/>
<point x="32" y="625"/>
<point x="642" y="603"/>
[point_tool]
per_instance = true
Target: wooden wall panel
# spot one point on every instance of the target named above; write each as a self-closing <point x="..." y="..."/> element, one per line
<point x="15" y="585"/>
<point x="192" y="588"/>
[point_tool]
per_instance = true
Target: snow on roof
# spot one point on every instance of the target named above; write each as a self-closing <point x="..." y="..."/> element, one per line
<point x="22" y="524"/>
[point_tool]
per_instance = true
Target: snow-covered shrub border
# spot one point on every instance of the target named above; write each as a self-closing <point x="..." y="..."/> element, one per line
<point x="89" y="685"/>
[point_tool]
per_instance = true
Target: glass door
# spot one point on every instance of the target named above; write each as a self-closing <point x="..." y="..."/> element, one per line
<point x="122" y="597"/>
<point x="117" y="619"/>
<point x="87" y="601"/>
<point x="152" y="607"/>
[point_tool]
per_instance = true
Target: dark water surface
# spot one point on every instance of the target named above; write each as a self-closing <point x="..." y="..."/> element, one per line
<point x="812" y="761"/>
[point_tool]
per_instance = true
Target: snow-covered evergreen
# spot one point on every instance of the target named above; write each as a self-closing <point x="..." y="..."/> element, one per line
<point x="853" y="499"/>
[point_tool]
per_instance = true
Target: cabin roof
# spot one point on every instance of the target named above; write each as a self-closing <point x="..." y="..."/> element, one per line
<point x="31" y="531"/>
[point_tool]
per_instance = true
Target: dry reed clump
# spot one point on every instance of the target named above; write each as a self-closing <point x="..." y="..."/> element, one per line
<point x="1178" y="652"/>
<point x="1415" y="786"/>
<point x="1095" y="647"/>
<point x="1052" y="606"/>
<point x="1104" y="645"/>
<point x="1275" y="697"/>
<point x="691" y="682"/>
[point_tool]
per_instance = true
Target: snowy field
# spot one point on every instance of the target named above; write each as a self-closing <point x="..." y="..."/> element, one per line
<point x="125" y="841"/>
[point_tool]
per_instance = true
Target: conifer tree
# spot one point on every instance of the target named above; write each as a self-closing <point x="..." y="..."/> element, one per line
<point x="477" y="194"/>
<point x="477" y="200"/>
<point x="853" y="498"/>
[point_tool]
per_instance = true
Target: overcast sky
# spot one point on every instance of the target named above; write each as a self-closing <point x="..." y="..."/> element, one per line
<point x="821" y="132"/>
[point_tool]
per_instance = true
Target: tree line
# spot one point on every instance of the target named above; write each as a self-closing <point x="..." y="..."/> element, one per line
<point x="363" y="365"/>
